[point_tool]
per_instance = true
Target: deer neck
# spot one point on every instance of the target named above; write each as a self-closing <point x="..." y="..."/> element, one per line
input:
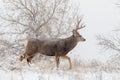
<point x="71" y="42"/>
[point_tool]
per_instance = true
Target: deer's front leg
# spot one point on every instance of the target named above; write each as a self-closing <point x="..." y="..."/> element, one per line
<point x="66" y="57"/>
<point x="57" y="61"/>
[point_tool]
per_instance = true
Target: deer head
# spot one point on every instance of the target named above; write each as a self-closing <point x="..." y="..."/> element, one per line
<point x="79" y="26"/>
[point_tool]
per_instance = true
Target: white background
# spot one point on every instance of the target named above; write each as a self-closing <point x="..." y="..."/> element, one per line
<point x="101" y="17"/>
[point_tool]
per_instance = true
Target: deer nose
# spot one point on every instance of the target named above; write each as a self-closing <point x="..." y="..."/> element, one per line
<point x="84" y="39"/>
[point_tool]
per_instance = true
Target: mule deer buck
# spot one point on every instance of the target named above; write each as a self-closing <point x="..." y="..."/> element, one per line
<point x="53" y="47"/>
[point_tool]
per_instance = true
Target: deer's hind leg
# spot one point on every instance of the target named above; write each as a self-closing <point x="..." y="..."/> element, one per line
<point x="22" y="57"/>
<point x="29" y="58"/>
<point x="57" y="58"/>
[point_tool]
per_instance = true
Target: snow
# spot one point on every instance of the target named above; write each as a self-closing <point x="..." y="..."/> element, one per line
<point x="45" y="69"/>
<point x="57" y="75"/>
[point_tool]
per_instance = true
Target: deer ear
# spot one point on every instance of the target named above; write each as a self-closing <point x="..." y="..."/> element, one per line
<point x="74" y="32"/>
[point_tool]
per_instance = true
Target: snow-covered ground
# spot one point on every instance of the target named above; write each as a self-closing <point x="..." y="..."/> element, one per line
<point x="58" y="75"/>
<point x="45" y="69"/>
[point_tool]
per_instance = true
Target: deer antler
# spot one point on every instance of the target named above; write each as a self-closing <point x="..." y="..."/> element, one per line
<point x="79" y="24"/>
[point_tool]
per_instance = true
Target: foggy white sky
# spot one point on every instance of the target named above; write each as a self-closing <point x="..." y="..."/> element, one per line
<point x="100" y="17"/>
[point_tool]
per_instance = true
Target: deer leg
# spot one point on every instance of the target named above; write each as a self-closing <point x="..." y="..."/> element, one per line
<point x="66" y="57"/>
<point x="21" y="58"/>
<point x="28" y="62"/>
<point x="57" y="61"/>
<point x="30" y="58"/>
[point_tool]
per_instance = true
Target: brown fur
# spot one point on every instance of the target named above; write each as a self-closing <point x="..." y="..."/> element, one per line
<point x="51" y="47"/>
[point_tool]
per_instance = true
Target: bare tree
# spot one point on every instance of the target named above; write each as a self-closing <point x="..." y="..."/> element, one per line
<point x="110" y="43"/>
<point x="40" y="17"/>
<point x="35" y="18"/>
